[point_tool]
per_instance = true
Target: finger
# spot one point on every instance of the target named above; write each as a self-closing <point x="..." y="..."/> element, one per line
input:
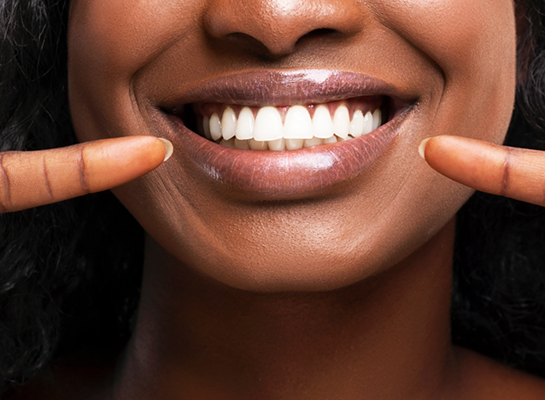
<point x="34" y="178"/>
<point x="506" y="171"/>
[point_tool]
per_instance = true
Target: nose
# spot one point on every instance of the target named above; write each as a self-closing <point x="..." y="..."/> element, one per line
<point x="275" y="27"/>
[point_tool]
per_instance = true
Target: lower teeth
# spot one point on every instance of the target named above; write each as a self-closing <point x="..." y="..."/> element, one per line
<point x="278" y="144"/>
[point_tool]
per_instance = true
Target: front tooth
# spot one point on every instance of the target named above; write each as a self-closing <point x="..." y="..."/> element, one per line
<point x="294" y="144"/>
<point x="255" y="145"/>
<point x="228" y="123"/>
<point x="277" y="145"/>
<point x="228" y="143"/>
<point x="356" y="125"/>
<point x="322" y="126"/>
<point x="215" y="127"/>
<point x="268" y="124"/>
<point x="313" y="142"/>
<point x="245" y="124"/>
<point x="341" y="121"/>
<point x="332" y="139"/>
<point x="368" y="123"/>
<point x="377" y="118"/>
<point x="206" y="127"/>
<point x="241" y="144"/>
<point x="298" y="124"/>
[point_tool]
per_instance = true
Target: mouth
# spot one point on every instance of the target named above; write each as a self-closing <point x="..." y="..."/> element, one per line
<point x="289" y="127"/>
<point x="286" y="135"/>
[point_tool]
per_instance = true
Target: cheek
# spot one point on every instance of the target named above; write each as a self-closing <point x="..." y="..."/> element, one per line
<point x="118" y="37"/>
<point x="453" y="32"/>
<point x="108" y="43"/>
<point x="473" y="43"/>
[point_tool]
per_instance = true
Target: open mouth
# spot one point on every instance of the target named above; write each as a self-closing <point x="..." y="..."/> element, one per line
<point x="289" y="127"/>
<point x="307" y="131"/>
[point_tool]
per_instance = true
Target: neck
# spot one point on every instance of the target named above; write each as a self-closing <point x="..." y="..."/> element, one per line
<point x="387" y="337"/>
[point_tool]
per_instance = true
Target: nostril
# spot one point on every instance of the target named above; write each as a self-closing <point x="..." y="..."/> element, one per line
<point x="273" y="28"/>
<point x="243" y="43"/>
<point x="247" y="42"/>
<point x="319" y="33"/>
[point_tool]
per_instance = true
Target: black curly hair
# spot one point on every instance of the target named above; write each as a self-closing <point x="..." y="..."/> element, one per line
<point x="70" y="272"/>
<point x="63" y="285"/>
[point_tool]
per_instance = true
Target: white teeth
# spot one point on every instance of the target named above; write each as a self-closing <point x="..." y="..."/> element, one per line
<point x="206" y="128"/>
<point x="242" y="144"/>
<point x="245" y="124"/>
<point x="356" y="125"/>
<point x="341" y="122"/>
<point x="268" y="124"/>
<point x="313" y="142"/>
<point x="277" y="145"/>
<point x="368" y="123"/>
<point x="267" y="132"/>
<point x="321" y="123"/>
<point x="215" y="127"/>
<point x="258" y="145"/>
<point x="294" y="144"/>
<point x="298" y="124"/>
<point x="228" y="123"/>
<point x="377" y="118"/>
<point x="228" y="143"/>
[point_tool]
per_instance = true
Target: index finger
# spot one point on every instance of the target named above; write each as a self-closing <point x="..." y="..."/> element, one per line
<point x="506" y="171"/>
<point x="34" y="178"/>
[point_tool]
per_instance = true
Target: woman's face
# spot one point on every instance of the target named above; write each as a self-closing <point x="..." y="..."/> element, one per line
<point x="313" y="218"/>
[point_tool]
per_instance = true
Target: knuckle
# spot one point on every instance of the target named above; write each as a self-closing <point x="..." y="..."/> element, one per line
<point x="82" y="169"/>
<point x="505" y="180"/>
<point x="47" y="182"/>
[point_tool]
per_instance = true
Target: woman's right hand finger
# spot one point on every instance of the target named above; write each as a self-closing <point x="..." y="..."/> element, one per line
<point x="34" y="178"/>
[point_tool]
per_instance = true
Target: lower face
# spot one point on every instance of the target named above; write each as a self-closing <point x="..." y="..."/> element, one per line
<point x="295" y="132"/>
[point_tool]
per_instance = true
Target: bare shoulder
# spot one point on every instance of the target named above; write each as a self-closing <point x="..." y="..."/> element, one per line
<point x="485" y="379"/>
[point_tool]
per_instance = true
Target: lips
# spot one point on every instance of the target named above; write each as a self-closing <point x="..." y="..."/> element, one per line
<point x="289" y="174"/>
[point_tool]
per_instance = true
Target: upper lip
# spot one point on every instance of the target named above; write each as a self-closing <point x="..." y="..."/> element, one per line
<point x="281" y="88"/>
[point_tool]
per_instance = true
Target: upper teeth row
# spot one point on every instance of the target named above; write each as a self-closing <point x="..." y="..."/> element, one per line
<point x="268" y="126"/>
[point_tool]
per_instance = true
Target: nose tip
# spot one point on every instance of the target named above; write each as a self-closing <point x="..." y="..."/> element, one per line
<point x="277" y="26"/>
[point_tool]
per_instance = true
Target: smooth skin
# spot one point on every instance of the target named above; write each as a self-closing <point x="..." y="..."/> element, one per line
<point x="356" y="307"/>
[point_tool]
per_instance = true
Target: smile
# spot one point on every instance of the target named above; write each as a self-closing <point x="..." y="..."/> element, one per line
<point x="323" y="127"/>
<point x="288" y="127"/>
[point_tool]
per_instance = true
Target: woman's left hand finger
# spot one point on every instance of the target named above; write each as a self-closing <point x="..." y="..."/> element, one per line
<point x="506" y="171"/>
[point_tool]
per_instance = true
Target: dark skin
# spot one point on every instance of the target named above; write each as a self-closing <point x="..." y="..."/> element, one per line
<point x="345" y="294"/>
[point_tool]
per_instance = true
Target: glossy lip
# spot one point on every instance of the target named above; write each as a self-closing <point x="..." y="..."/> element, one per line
<point x="277" y="88"/>
<point x="291" y="174"/>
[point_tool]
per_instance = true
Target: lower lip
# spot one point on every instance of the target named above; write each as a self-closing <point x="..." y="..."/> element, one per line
<point x="285" y="175"/>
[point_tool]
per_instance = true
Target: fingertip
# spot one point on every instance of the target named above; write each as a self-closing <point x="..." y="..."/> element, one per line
<point x="422" y="148"/>
<point x="169" y="149"/>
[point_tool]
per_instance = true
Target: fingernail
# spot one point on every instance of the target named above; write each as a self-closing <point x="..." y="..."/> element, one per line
<point x="422" y="146"/>
<point x="168" y="148"/>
